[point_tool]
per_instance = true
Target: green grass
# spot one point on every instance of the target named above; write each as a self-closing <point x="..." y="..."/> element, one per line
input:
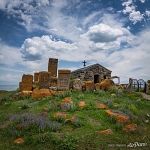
<point x="80" y="134"/>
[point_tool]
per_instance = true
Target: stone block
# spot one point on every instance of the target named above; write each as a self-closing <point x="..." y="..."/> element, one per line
<point x="27" y="78"/>
<point x="52" y="66"/>
<point x="63" y="79"/>
<point x="36" y="77"/>
<point x="89" y="85"/>
<point x="25" y="86"/>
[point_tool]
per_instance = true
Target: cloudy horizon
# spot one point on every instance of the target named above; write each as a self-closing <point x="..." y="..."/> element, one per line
<point x="115" y="34"/>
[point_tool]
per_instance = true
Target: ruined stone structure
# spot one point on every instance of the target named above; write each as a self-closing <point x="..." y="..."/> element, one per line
<point x="36" y="77"/>
<point x="94" y="73"/>
<point x="52" y="66"/>
<point x="44" y="79"/>
<point x="27" y="83"/>
<point x="63" y="79"/>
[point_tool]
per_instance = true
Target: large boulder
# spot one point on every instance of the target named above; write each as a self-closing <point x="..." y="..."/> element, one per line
<point x="106" y="84"/>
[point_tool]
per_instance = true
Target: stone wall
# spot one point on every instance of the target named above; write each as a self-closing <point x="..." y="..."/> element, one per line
<point x="44" y="79"/>
<point x="63" y="79"/>
<point x="89" y="73"/>
<point x="27" y="83"/>
<point x="52" y="66"/>
<point x="36" y="77"/>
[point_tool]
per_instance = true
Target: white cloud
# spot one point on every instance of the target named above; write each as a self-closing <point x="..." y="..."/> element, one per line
<point x="147" y="12"/>
<point x="133" y="62"/>
<point x="130" y="9"/>
<point x="103" y="33"/>
<point x="142" y="1"/>
<point x="135" y="16"/>
<point x="9" y="55"/>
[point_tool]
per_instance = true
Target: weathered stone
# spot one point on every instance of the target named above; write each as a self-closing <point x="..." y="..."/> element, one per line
<point x="120" y="117"/>
<point x="89" y="85"/>
<point x="130" y="128"/>
<point x="19" y="141"/>
<point x="39" y="93"/>
<point x="53" y="82"/>
<point x="26" y="93"/>
<point x="77" y="84"/>
<point x="44" y="79"/>
<point x="106" y="84"/>
<point x="82" y="104"/>
<point x="63" y="79"/>
<point x="66" y="104"/>
<point x="36" y="77"/>
<point x="105" y="132"/>
<point x="52" y="66"/>
<point x="60" y="115"/>
<point x="94" y="73"/>
<point x="25" y="86"/>
<point x="27" y="78"/>
<point x="101" y="106"/>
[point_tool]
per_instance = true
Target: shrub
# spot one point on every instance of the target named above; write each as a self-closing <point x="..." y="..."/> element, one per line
<point x="27" y="120"/>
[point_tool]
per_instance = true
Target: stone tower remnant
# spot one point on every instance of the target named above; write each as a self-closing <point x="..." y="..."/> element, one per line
<point x="52" y="66"/>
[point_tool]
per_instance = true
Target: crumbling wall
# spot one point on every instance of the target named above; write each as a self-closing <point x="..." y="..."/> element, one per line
<point x="27" y="83"/>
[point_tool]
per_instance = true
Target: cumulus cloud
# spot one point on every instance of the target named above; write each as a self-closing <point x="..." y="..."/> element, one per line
<point x="103" y="33"/>
<point x="37" y="48"/>
<point x="130" y="9"/>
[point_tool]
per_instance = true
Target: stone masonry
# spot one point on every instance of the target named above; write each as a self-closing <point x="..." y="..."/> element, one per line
<point x="52" y="66"/>
<point x="63" y="79"/>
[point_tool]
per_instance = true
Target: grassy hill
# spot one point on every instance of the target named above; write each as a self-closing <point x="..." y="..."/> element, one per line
<point x="43" y="124"/>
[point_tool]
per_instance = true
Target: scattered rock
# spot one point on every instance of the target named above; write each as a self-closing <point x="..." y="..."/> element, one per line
<point x="60" y="115"/>
<point x="19" y="141"/>
<point x="106" y="84"/>
<point x="82" y="104"/>
<point x="66" y="104"/>
<point x="105" y="132"/>
<point x="130" y="128"/>
<point x="121" y="118"/>
<point x="101" y="106"/>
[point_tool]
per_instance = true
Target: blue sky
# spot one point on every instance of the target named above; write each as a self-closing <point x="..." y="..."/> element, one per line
<point x="114" y="33"/>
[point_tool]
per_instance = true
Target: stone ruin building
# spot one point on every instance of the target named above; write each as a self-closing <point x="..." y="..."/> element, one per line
<point x="95" y="73"/>
<point x="46" y="79"/>
<point x="62" y="79"/>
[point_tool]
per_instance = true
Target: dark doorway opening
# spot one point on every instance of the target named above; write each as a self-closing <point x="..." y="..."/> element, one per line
<point x="105" y="76"/>
<point x="96" y="78"/>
